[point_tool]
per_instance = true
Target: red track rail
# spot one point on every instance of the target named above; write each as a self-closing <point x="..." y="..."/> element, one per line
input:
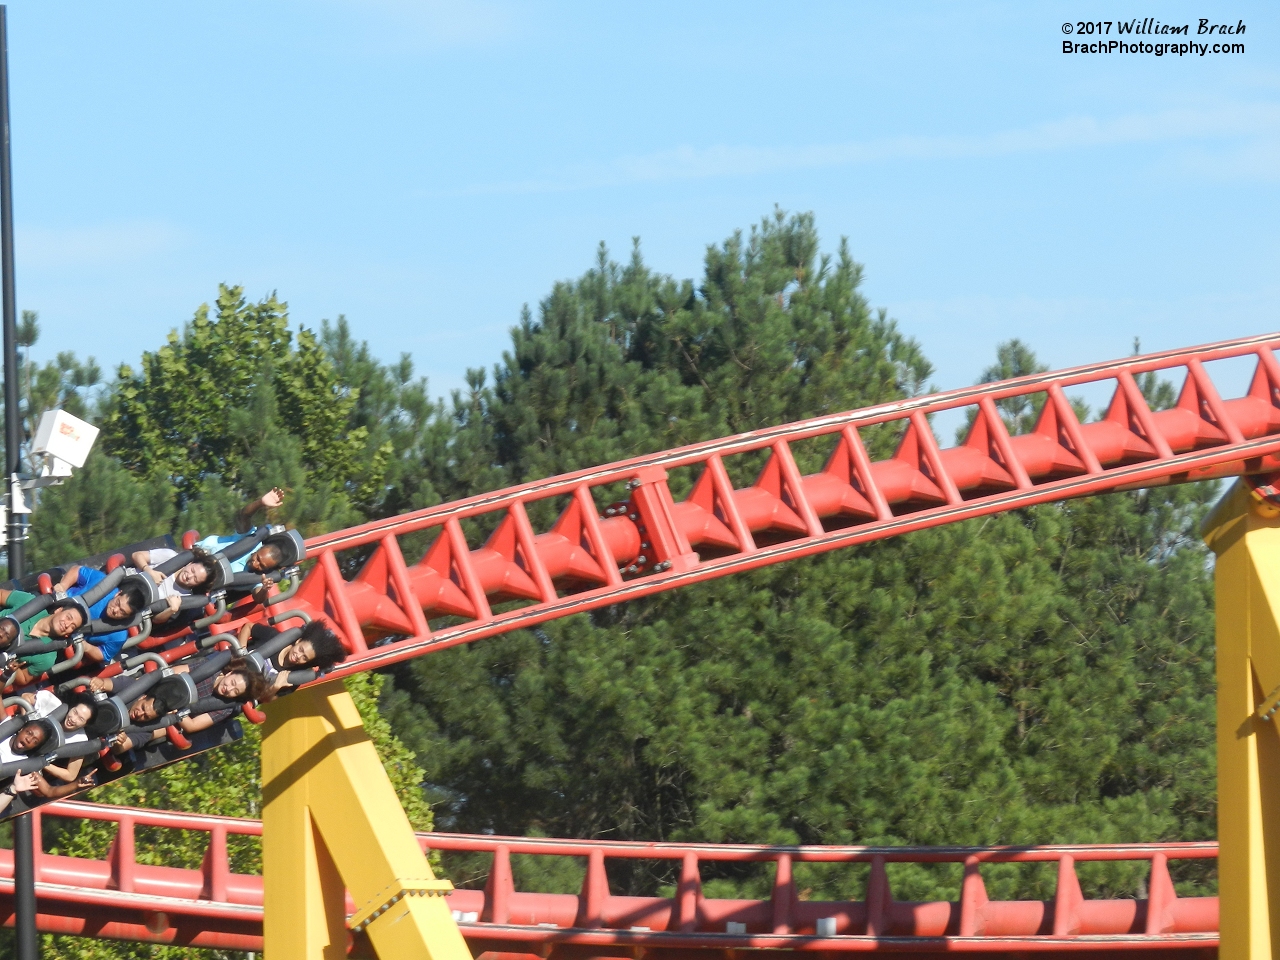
<point x="119" y="898"/>
<point x="650" y="543"/>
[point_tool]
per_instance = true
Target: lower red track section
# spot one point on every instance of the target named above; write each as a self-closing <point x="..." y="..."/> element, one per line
<point x="119" y="898"/>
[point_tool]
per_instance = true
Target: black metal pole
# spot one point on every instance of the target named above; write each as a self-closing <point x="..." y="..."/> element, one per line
<point x="24" y="880"/>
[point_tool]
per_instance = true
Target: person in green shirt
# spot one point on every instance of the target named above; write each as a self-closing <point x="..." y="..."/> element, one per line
<point x="31" y="666"/>
<point x="61" y="623"/>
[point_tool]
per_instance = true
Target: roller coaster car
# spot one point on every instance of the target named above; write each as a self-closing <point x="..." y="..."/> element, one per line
<point x="99" y="561"/>
<point x="127" y="690"/>
<point x="268" y="649"/>
<point x="288" y="543"/>
<point x="115" y="708"/>
<point x="264" y="652"/>
<point x="13" y="721"/>
<point x="188" y="689"/>
<point x="57" y="745"/>
<point x="83" y="602"/>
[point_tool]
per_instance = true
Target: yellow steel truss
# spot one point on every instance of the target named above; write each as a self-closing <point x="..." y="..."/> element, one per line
<point x="1244" y="531"/>
<point x="331" y="820"/>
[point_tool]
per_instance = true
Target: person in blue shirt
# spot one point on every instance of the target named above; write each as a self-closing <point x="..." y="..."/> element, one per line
<point x="118" y="605"/>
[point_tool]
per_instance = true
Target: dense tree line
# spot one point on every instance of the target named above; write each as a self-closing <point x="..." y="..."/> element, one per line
<point x="1040" y="676"/>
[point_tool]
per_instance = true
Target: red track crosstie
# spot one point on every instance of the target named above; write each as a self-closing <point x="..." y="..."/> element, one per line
<point x="117" y="897"/>
<point x="644" y="542"/>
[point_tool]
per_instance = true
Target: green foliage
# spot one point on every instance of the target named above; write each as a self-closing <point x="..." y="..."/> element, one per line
<point x="1044" y="676"/>
<point x="232" y="408"/>
<point x="100" y="507"/>
<point x="1028" y="679"/>
<point x="406" y="432"/>
<point x="176" y="417"/>
<point x="625" y="361"/>
<point x="1015" y="359"/>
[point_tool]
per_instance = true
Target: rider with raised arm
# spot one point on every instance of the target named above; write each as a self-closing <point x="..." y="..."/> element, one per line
<point x="261" y="559"/>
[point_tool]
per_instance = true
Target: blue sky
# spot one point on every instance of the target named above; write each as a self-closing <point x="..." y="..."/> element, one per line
<point x="425" y="169"/>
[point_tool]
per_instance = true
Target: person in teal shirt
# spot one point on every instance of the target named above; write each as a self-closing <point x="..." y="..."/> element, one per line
<point x="260" y="559"/>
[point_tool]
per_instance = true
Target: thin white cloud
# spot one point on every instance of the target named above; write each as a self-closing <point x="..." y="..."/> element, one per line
<point x="101" y="245"/>
<point x="1249" y="121"/>
<point x="1255" y="160"/>
<point x="433" y="24"/>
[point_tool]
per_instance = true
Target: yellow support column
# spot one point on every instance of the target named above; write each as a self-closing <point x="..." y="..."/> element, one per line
<point x="330" y="820"/>
<point x="1244" y="532"/>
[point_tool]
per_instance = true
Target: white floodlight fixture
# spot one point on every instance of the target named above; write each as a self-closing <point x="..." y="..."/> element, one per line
<point x="64" y="442"/>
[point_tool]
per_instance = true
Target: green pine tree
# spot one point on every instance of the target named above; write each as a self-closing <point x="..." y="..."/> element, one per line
<point x="173" y="418"/>
<point x="1034" y="677"/>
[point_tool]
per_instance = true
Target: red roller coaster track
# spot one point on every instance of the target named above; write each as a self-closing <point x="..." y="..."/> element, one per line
<point x="120" y="898"/>
<point x="645" y="542"/>
<point x="648" y="543"/>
